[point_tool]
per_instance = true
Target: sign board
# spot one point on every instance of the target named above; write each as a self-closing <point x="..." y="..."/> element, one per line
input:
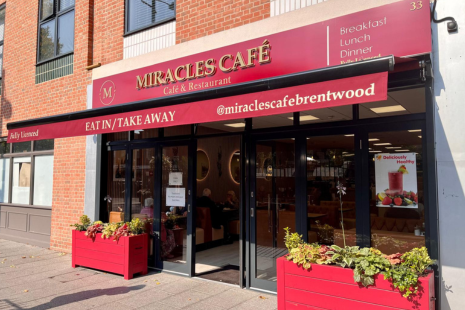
<point x="175" y="178"/>
<point x="400" y="29"/>
<point x="175" y="197"/>
<point x="396" y="180"/>
<point x="359" y="89"/>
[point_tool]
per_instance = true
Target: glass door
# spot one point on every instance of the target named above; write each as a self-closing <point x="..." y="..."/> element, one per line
<point x="174" y="206"/>
<point x="272" y="207"/>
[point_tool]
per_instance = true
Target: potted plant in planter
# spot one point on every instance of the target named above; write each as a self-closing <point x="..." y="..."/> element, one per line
<point x="331" y="277"/>
<point x="114" y="247"/>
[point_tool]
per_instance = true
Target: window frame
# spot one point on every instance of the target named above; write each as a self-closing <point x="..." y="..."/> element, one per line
<point x="32" y="154"/>
<point x="126" y="19"/>
<point x="56" y="14"/>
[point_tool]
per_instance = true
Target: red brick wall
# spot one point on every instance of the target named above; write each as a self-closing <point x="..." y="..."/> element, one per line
<point x="199" y="18"/>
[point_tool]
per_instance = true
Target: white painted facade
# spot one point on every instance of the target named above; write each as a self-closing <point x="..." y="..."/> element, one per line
<point x="449" y="93"/>
<point x="278" y="7"/>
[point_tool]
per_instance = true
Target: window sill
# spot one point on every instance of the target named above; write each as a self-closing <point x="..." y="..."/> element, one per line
<point x="128" y="33"/>
<point x="24" y="206"/>
<point x="53" y="58"/>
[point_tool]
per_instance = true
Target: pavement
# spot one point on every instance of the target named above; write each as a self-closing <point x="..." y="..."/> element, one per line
<point x="38" y="278"/>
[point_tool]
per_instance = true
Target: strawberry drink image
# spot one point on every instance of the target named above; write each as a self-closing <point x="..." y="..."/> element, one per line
<point x="396" y="183"/>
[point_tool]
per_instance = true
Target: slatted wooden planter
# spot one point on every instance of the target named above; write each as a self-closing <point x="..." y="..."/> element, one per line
<point x="128" y="256"/>
<point x="332" y="287"/>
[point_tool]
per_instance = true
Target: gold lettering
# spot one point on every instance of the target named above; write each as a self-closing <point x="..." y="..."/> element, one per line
<point x="141" y="82"/>
<point x="176" y="74"/>
<point x="169" y="77"/>
<point x="222" y="61"/>
<point x="210" y="65"/>
<point x="239" y="61"/>
<point x="264" y="52"/>
<point x="251" y="55"/>
<point x="189" y="74"/>
<point x="158" y="79"/>
<point x="107" y="93"/>
<point x="199" y="69"/>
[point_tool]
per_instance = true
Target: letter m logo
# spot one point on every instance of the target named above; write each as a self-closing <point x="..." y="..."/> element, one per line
<point x="107" y="92"/>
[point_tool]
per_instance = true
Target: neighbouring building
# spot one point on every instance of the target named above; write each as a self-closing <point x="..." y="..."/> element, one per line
<point x="144" y="108"/>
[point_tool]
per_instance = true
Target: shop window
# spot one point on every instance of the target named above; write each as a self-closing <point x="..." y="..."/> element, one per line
<point x="271" y="121"/>
<point x="118" y="136"/>
<point x="31" y="172"/>
<point x="143" y="183"/>
<point x="145" y="133"/>
<point x="116" y="185"/>
<point x="173" y="131"/>
<point x="401" y="102"/>
<point x="43" y="180"/>
<point x="237" y="125"/>
<point x="330" y="161"/>
<point x="397" y="208"/>
<point x="142" y="14"/>
<point x="2" y="36"/>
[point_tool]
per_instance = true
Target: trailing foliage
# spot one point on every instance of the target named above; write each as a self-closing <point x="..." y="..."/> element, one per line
<point x="402" y="270"/>
<point x="93" y="229"/>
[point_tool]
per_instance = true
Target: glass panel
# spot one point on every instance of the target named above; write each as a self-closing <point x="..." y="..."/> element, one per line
<point x="1" y="61"/>
<point x="44" y="145"/>
<point x="21" y="180"/>
<point x="65" y="33"/>
<point x="47" y="41"/>
<point x="145" y="133"/>
<point x="4" y="179"/>
<point x="43" y="180"/>
<point x="177" y="130"/>
<point x="116" y="185"/>
<point x="275" y="188"/>
<point x="143" y="179"/>
<point x="22" y="147"/>
<point x="118" y="136"/>
<point x="203" y="165"/>
<point x="64" y="4"/>
<point x="396" y="176"/>
<point x="330" y="160"/>
<point x="4" y="147"/>
<point x="237" y="125"/>
<point x="47" y="9"/>
<point x="398" y="103"/>
<point x="149" y="12"/>
<point x="271" y="121"/>
<point x="2" y="24"/>
<point x="173" y="204"/>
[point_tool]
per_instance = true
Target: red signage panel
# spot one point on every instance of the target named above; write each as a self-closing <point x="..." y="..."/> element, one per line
<point x="399" y="29"/>
<point x="360" y="89"/>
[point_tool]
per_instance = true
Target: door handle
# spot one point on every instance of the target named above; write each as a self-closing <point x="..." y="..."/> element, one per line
<point x="188" y="207"/>
<point x="251" y="212"/>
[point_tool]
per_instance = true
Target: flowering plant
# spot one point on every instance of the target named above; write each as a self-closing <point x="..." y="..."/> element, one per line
<point x="341" y="190"/>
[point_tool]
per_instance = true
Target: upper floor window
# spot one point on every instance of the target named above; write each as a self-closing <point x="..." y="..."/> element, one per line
<point x="142" y="14"/>
<point x="56" y="28"/>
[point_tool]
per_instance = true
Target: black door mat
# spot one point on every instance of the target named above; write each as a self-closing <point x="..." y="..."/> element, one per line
<point x="226" y="274"/>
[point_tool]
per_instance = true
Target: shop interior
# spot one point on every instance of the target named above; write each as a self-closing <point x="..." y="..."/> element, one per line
<point x="330" y="159"/>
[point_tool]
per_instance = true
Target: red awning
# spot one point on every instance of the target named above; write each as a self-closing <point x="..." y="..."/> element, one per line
<point x="353" y="90"/>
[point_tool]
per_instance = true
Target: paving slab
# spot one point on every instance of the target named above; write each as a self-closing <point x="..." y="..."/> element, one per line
<point x="45" y="280"/>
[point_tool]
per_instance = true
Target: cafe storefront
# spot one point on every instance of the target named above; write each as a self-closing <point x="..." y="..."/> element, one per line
<point x="267" y="128"/>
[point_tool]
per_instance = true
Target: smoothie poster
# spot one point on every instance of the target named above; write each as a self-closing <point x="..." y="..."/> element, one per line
<point x="396" y="180"/>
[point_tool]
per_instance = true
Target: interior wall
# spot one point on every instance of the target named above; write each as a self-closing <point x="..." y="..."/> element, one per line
<point x="219" y="152"/>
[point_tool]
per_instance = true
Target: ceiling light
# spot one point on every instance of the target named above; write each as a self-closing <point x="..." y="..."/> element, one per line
<point x="402" y="150"/>
<point x="390" y="109"/>
<point x="415" y="130"/>
<point x="419" y="137"/>
<point x="235" y="125"/>
<point x="375" y="151"/>
<point x="348" y="155"/>
<point x="304" y="118"/>
<point x="374" y="139"/>
<point x="381" y="143"/>
<point x="349" y="135"/>
<point x="393" y="147"/>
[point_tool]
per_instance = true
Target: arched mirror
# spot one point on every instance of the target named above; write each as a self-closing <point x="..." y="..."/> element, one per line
<point x="203" y="165"/>
<point x="235" y="166"/>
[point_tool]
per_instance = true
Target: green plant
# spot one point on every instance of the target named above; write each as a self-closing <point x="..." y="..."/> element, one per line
<point x="136" y="226"/>
<point x="403" y="278"/>
<point x="292" y="240"/>
<point x="109" y="229"/>
<point x="369" y="264"/>
<point x="84" y="223"/>
<point x="417" y="259"/>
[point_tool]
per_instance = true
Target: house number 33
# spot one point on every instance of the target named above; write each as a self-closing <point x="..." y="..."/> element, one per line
<point x="416" y="5"/>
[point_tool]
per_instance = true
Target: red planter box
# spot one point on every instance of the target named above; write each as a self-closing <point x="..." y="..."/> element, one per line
<point x="332" y="287"/>
<point x="128" y="256"/>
